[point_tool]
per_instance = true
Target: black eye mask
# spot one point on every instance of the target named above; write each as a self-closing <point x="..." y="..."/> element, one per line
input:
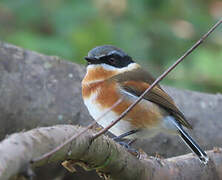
<point x="112" y="59"/>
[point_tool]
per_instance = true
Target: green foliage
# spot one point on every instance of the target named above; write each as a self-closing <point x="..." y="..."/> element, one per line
<point x="155" y="32"/>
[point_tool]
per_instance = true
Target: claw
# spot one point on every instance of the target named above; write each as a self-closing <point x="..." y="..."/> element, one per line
<point x="129" y="148"/>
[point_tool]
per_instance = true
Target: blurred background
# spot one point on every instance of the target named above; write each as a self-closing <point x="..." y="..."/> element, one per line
<point x="154" y="32"/>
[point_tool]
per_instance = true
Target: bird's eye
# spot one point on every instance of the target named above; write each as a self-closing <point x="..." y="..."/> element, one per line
<point x="112" y="60"/>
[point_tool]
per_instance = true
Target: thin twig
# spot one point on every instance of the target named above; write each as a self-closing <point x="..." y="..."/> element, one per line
<point x="159" y="79"/>
<point x="48" y="154"/>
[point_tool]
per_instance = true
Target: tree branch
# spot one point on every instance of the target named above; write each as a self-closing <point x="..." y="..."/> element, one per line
<point x="102" y="154"/>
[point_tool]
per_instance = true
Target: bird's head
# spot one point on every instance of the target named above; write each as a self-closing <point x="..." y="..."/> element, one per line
<point x="108" y="55"/>
<point x="107" y="61"/>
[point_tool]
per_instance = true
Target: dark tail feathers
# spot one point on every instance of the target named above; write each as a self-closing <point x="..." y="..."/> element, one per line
<point x="192" y="145"/>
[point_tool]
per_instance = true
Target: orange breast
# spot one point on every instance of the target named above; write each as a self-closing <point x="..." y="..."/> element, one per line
<point x="98" y="73"/>
<point x="143" y="115"/>
<point x="88" y="89"/>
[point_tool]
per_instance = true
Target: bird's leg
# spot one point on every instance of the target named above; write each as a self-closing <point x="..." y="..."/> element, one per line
<point x="119" y="138"/>
<point x="127" y="144"/>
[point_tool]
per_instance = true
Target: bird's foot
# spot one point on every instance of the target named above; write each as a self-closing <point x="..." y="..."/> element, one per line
<point x="129" y="148"/>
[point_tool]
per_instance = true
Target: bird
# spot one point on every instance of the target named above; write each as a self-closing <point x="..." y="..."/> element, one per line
<point x="112" y="75"/>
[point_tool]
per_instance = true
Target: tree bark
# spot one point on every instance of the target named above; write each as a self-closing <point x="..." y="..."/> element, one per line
<point x="38" y="90"/>
<point x="102" y="154"/>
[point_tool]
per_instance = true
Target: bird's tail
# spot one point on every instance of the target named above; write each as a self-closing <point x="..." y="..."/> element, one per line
<point x="192" y="144"/>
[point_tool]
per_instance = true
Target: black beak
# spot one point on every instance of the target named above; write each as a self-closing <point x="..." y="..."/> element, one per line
<point x="89" y="59"/>
<point x="92" y="60"/>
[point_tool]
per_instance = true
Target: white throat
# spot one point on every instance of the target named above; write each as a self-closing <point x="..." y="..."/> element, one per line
<point x="107" y="67"/>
